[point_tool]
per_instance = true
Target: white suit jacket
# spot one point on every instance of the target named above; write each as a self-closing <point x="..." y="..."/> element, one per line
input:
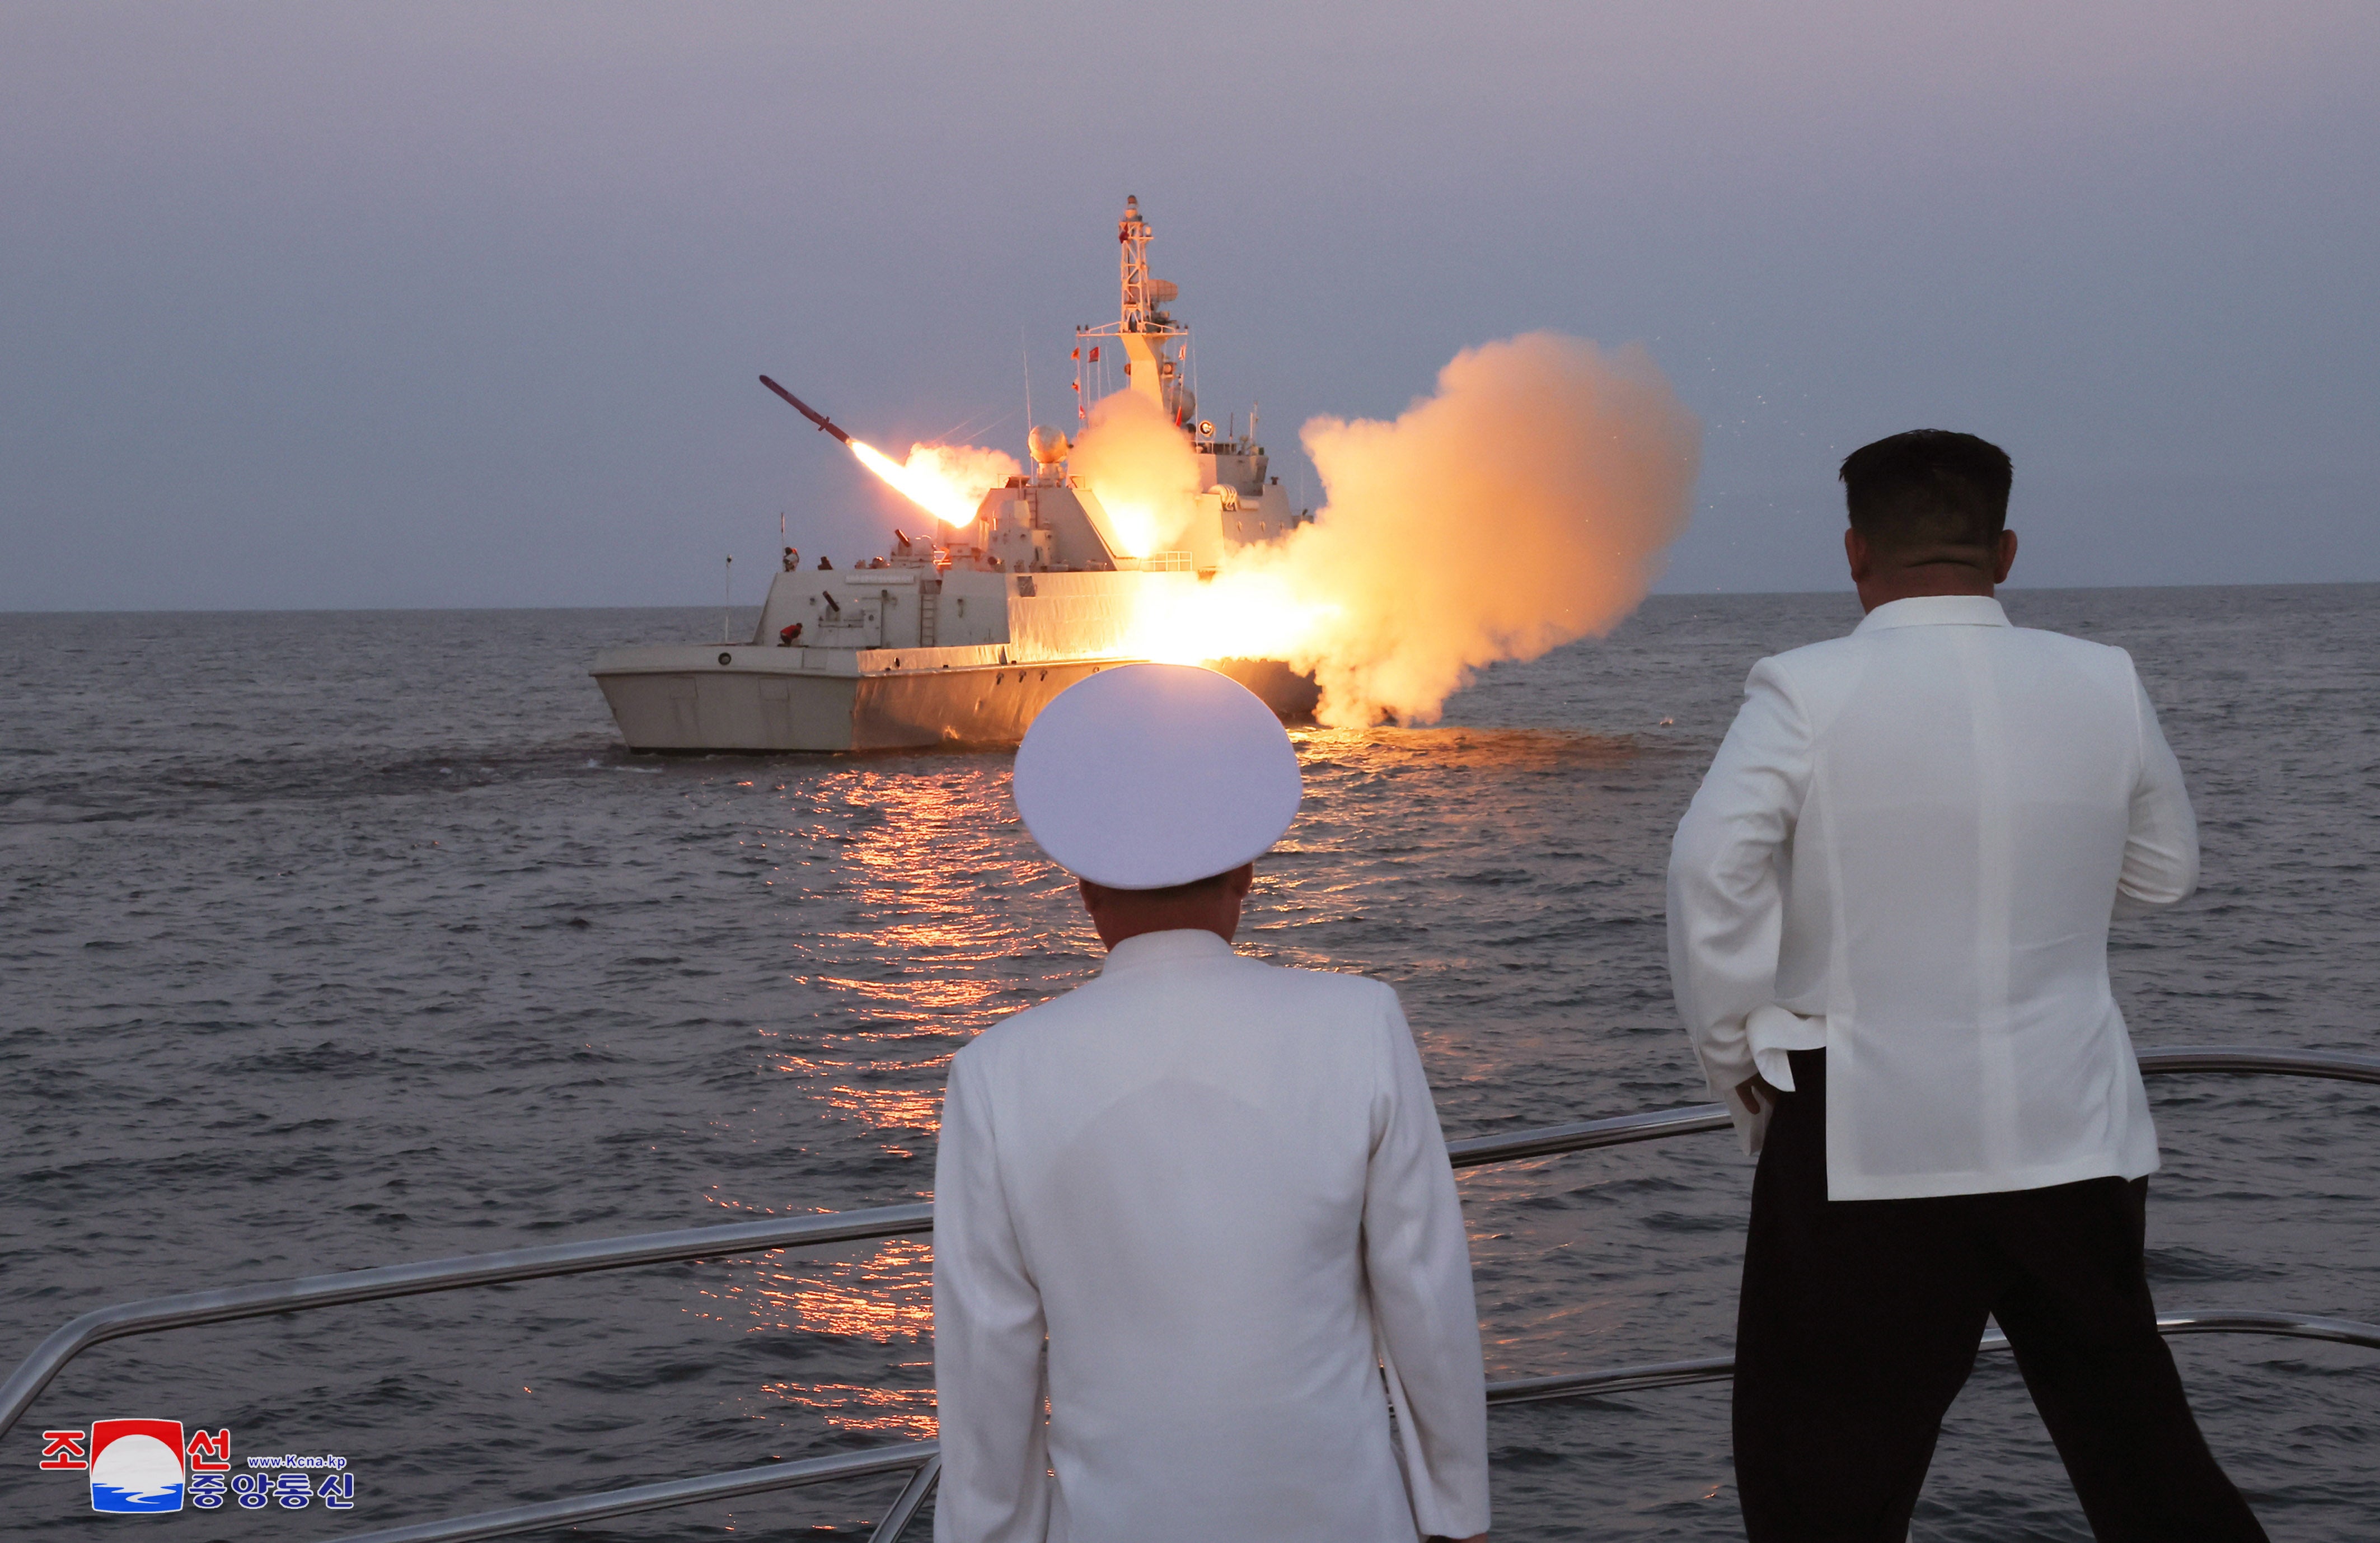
<point x="1219" y="1189"/>
<point x="1907" y="851"/>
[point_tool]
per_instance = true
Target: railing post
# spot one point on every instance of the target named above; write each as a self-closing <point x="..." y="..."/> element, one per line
<point x="907" y="1503"/>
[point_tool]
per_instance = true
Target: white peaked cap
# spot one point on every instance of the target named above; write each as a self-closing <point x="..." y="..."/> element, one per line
<point x="1148" y="775"/>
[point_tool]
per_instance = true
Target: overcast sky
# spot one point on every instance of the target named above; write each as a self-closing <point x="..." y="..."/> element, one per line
<point x="419" y="305"/>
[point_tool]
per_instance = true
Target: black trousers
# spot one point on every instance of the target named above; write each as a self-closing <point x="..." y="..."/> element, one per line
<point x="1859" y="1322"/>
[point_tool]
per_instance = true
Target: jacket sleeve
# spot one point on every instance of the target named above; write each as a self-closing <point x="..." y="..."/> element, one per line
<point x="1727" y="881"/>
<point x="988" y="1338"/>
<point x="2161" y="844"/>
<point x="1418" y="1265"/>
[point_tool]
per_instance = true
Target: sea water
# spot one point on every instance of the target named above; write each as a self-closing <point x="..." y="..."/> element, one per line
<point x="337" y="940"/>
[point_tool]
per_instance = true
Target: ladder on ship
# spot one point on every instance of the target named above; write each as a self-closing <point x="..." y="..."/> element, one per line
<point x="919" y="1461"/>
<point x="929" y="612"/>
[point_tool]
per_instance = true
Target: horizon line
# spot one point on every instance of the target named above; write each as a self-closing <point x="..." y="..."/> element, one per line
<point x="701" y="605"/>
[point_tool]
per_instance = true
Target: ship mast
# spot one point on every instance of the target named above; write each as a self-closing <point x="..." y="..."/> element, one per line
<point x="1156" y="348"/>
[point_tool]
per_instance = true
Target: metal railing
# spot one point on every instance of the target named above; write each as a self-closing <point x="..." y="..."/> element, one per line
<point x="920" y="1460"/>
<point x="190" y="1309"/>
<point x="1718" y="1368"/>
<point x="923" y="1459"/>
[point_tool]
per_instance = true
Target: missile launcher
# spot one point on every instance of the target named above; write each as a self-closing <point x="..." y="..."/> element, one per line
<point x="962" y="637"/>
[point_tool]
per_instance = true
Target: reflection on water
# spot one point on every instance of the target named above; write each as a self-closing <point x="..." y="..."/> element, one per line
<point x="892" y="1414"/>
<point x="910" y="941"/>
<point x="886" y="1297"/>
<point x="888" y="1108"/>
<point x="835" y="1088"/>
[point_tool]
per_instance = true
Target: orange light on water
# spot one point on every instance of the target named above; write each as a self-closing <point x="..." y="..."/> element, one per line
<point x="887" y="1297"/>
<point x="907" y="1413"/>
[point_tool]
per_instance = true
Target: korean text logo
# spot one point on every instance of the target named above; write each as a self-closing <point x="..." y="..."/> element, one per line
<point x="144" y="1467"/>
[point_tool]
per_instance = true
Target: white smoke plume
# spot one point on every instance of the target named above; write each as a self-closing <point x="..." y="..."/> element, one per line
<point x="1142" y="469"/>
<point x="1526" y="505"/>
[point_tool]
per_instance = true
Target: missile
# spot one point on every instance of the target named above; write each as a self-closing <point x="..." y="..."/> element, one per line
<point x="804" y="409"/>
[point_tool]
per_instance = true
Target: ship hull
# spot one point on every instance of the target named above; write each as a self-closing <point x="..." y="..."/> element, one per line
<point x="1293" y="695"/>
<point x="692" y="699"/>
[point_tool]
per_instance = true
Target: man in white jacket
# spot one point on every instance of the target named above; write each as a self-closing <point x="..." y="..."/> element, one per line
<point x="1199" y="1208"/>
<point x="1888" y="909"/>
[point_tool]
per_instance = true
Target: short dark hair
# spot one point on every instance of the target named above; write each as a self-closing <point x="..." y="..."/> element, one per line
<point x="1178" y="892"/>
<point x="1928" y="491"/>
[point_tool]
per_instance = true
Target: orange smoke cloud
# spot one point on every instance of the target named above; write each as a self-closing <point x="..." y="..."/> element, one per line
<point x="946" y="480"/>
<point x="1524" y="506"/>
<point x="1142" y="469"/>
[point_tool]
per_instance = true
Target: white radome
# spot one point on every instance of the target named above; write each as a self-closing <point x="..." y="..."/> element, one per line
<point x="1048" y="445"/>
<point x="1150" y="775"/>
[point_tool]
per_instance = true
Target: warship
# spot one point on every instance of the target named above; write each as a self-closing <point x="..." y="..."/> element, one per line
<point x="961" y="636"/>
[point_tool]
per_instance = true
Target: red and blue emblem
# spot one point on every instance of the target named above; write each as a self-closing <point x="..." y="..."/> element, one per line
<point x="136" y="1465"/>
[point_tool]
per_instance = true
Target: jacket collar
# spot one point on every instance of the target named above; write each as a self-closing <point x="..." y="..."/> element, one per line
<point x="1157" y="950"/>
<point x="1934" y="610"/>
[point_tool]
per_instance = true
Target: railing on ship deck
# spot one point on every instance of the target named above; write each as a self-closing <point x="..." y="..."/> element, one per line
<point x="920" y="1459"/>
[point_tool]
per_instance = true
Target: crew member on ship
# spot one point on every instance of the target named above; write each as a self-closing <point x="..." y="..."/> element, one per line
<point x="1200" y="1204"/>
<point x="1888" y="909"/>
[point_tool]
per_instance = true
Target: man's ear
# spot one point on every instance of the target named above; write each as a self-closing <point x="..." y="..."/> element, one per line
<point x="1242" y="878"/>
<point x="1093" y="896"/>
<point x="2007" y="557"/>
<point x="1855" y="552"/>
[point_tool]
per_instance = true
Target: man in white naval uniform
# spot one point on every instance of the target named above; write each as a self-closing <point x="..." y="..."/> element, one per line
<point x="1200" y="1207"/>
<point x="1889" y="910"/>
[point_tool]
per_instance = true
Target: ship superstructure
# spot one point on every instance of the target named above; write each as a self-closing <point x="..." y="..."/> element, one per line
<point x="963" y="639"/>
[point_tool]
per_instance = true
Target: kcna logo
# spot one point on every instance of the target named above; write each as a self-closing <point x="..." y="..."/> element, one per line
<point x="136" y="1465"/>
<point x="140" y="1466"/>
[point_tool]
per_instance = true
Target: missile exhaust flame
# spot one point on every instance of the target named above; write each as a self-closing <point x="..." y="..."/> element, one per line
<point x="946" y="480"/>
<point x="1141" y="466"/>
